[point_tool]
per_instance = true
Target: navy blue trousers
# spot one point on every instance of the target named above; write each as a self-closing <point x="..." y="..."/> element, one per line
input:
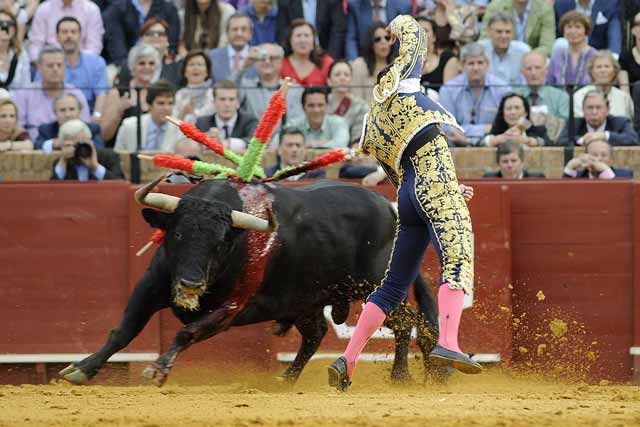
<point x="431" y="208"/>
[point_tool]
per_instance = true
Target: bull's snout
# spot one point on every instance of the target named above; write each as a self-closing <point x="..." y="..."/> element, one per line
<point x="189" y="284"/>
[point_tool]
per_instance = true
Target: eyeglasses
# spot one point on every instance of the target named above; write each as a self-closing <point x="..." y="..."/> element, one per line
<point x="271" y="58"/>
<point x="379" y="38"/>
<point x="151" y="33"/>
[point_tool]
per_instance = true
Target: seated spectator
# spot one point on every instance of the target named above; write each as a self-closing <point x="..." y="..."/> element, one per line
<point x="321" y="130"/>
<point x="257" y="91"/>
<point x="157" y="134"/>
<point x="505" y="54"/>
<point x="535" y="22"/>
<point x="15" y="70"/>
<point x="84" y="70"/>
<point x="195" y="99"/>
<point x="512" y="123"/>
<point x="12" y="136"/>
<point x="595" y="163"/>
<point x="35" y="102"/>
<point x="231" y="127"/>
<point x="291" y="151"/>
<point x="155" y="32"/>
<point x="630" y="58"/>
<point x="231" y="60"/>
<point x="80" y="160"/>
<point x="43" y="26"/>
<point x="473" y="97"/>
<point x="511" y="163"/>
<point x="188" y="148"/>
<point x="23" y="12"/>
<point x="437" y="68"/>
<point x="305" y="63"/>
<point x="607" y="30"/>
<point x="549" y="105"/>
<point x="362" y="14"/>
<point x="455" y="22"/>
<point x="568" y="66"/>
<point x="66" y="107"/>
<point x="342" y="103"/>
<point x="122" y="100"/>
<point x="204" y="25"/>
<point x="376" y="54"/>
<point x="597" y="124"/>
<point x="329" y="17"/>
<point x="124" y="18"/>
<point x="603" y="70"/>
<point x="264" y="16"/>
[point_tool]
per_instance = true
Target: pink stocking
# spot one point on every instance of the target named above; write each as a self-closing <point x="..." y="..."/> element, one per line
<point x="450" y="310"/>
<point x="371" y="319"/>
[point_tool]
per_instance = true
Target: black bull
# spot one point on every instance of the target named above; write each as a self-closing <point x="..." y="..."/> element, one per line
<point x="332" y="247"/>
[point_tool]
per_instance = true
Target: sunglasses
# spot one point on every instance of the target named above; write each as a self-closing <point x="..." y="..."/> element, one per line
<point x="155" y="34"/>
<point x="379" y="38"/>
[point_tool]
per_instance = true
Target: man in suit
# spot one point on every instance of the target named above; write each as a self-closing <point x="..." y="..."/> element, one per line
<point x="363" y="13"/>
<point x="510" y="159"/>
<point x="291" y="151"/>
<point x="597" y="124"/>
<point x="156" y="133"/>
<point x="605" y="19"/>
<point x="88" y="163"/>
<point x="66" y="107"/>
<point x="230" y="126"/>
<point x="534" y="19"/>
<point x="228" y="61"/>
<point x="595" y="163"/>
<point x="328" y="17"/>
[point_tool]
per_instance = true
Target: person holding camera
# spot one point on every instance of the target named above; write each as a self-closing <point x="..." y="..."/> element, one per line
<point x="80" y="159"/>
<point x="66" y="106"/>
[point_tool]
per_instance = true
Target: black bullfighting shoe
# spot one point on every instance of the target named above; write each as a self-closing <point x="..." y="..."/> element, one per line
<point x="463" y="363"/>
<point x="338" y="376"/>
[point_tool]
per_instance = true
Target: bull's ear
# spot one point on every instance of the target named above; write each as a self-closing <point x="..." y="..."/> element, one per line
<point x="155" y="218"/>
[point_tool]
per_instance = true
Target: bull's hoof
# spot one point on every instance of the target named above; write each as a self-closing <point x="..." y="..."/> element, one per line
<point x="74" y="375"/>
<point x="155" y="374"/>
<point x="285" y="379"/>
<point x="401" y="377"/>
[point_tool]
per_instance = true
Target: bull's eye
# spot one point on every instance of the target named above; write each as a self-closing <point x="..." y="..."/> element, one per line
<point x="177" y="235"/>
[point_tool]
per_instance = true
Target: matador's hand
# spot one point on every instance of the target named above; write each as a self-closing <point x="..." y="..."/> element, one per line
<point x="467" y="192"/>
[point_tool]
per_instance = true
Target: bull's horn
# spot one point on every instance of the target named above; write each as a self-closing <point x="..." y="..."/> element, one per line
<point x="163" y="202"/>
<point x="250" y="222"/>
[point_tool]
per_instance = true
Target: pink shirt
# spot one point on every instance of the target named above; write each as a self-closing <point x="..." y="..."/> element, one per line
<point x="317" y="77"/>
<point x="43" y="26"/>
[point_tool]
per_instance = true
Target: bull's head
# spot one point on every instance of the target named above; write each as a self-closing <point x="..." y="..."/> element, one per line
<point x="199" y="236"/>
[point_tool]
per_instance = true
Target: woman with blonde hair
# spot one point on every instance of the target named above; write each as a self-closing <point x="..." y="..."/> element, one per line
<point x="12" y="136"/>
<point x="14" y="61"/>
<point x="603" y="70"/>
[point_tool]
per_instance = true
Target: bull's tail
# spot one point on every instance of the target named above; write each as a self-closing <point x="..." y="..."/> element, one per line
<point x="428" y="330"/>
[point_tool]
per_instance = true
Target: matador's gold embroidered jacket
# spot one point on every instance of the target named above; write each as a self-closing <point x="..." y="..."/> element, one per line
<point x="395" y="117"/>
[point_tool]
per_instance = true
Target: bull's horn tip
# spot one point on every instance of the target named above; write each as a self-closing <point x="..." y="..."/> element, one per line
<point x="173" y="120"/>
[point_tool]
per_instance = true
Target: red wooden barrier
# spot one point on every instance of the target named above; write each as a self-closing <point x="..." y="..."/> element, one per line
<point x="567" y="251"/>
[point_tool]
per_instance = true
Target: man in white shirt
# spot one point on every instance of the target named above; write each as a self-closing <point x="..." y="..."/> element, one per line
<point x="157" y="134"/>
<point x="505" y="54"/>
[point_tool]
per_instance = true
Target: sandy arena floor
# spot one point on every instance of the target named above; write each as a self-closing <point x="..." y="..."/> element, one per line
<point x="493" y="398"/>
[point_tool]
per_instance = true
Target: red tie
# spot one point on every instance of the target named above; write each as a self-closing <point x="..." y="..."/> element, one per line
<point x="236" y="62"/>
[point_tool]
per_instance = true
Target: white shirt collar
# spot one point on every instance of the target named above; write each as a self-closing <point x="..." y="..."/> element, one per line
<point x="231" y="122"/>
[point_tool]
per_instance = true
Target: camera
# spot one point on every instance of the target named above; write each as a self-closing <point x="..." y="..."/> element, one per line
<point x="6" y="25"/>
<point x="83" y="150"/>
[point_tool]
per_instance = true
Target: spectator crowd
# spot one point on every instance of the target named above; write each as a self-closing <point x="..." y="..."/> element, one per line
<point x="91" y="78"/>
